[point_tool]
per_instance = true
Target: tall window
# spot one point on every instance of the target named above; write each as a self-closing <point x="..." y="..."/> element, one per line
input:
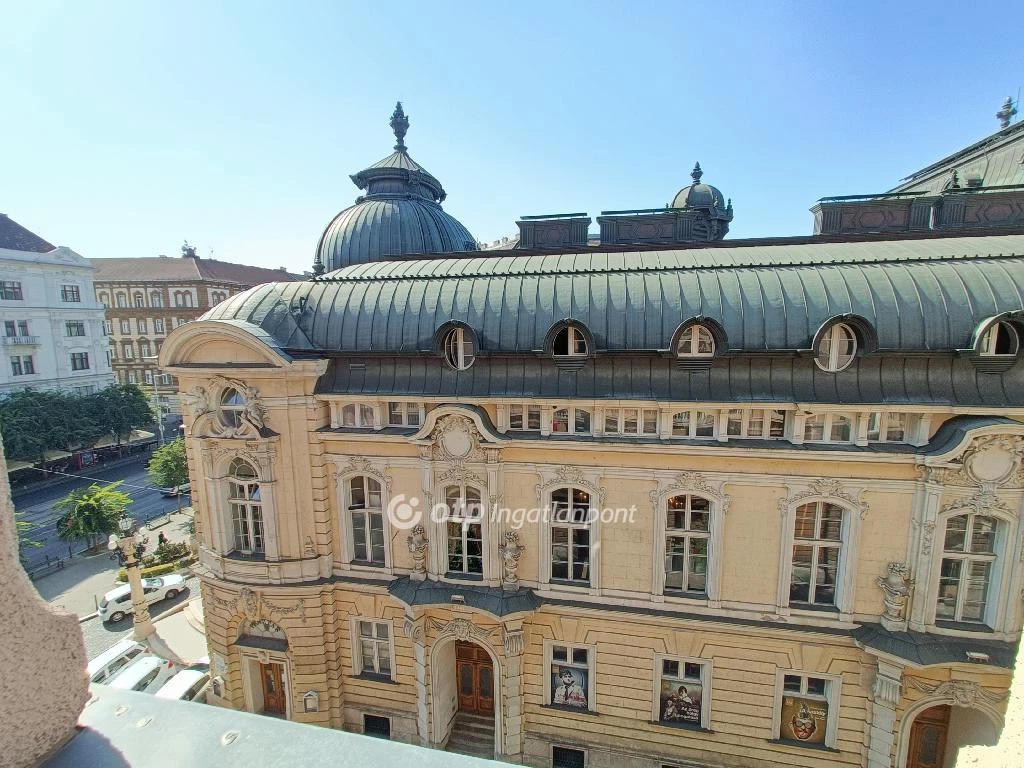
<point x="836" y="349"/>
<point x="458" y="349"/>
<point x="70" y="293"/>
<point x="465" y="532"/>
<point x="22" y="365"/>
<point x="683" y="693"/>
<point x="828" y="428"/>
<point x="804" y="714"/>
<point x="138" y="301"/>
<point x="357" y="415"/>
<point x="108" y="328"/>
<point x="696" y="341"/>
<point x="968" y="560"/>
<point x="104" y="299"/>
<point x="524" y="418"/>
<point x="817" y="542"/>
<point x="232" y="404"/>
<point x="155" y="299"/>
<point x="141" y="325"/>
<point x="122" y="301"/>
<point x="1000" y="339"/>
<point x="79" y="361"/>
<point x="128" y="351"/>
<point x="158" y="325"/>
<point x="570" y="535"/>
<point x="363" y="502"/>
<point x="74" y="328"/>
<point x="687" y="535"/>
<point x="148" y="377"/>
<point x="375" y="648"/>
<point x="570" y="342"/>
<point x="694" y="424"/>
<point x="631" y="421"/>
<point x="144" y="349"/>
<point x="572" y="420"/>
<point x="126" y="327"/>
<point x="756" y="422"/>
<point x="246" y="508"/>
<point x="571" y="677"/>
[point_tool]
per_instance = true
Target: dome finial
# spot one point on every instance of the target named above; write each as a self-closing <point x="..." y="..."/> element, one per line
<point x="399" y="124"/>
<point x="696" y="173"/>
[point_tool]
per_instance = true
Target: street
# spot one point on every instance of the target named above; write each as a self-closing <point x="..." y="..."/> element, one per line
<point x="37" y="507"/>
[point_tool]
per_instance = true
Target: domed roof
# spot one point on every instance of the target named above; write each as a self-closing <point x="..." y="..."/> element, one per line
<point x="704" y="196"/>
<point x="400" y="214"/>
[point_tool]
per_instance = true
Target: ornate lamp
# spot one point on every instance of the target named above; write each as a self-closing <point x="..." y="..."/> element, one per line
<point x="127" y="543"/>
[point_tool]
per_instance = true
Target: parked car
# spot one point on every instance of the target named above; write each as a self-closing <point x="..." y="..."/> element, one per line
<point x="114" y="659"/>
<point x="146" y="674"/>
<point x="117" y="603"/>
<point x="187" y="685"/>
<point x="176" y="490"/>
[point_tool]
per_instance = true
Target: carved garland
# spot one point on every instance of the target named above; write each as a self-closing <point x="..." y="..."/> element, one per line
<point x="690" y="482"/>
<point x="360" y="465"/>
<point x="461" y="629"/>
<point x="826" y="488"/>
<point x="566" y="475"/>
<point x="251" y="603"/>
<point x="963" y="693"/>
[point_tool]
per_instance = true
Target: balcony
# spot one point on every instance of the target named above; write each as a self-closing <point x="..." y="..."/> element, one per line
<point x="21" y="341"/>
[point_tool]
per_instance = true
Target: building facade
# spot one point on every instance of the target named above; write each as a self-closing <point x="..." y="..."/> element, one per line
<point x="680" y="502"/>
<point x="51" y="327"/>
<point x="147" y="298"/>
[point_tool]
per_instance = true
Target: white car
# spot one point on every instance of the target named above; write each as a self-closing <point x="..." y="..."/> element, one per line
<point x="146" y="674"/>
<point x="187" y="685"/>
<point x="117" y="603"/>
<point x="114" y="659"/>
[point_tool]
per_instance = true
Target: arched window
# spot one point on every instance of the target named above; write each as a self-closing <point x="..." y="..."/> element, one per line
<point x="155" y="299"/>
<point x="696" y="341"/>
<point x="574" y="421"/>
<point x="104" y="299"/>
<point x="246" y="508"/>
<point x="817" y="549"/>
<point x="363" y="505"/>
<point x="232" y="404"/>
<point x="138" y="301"/>
<point x="967" y="572"/>
<point x="999" y="339"/>
<point x="570" y="535"/>
<point x="464" y="530"/>
<point x="122" y="301"/>
<point x="569" y="342"/>
<point x="687" y="539"/>
<point x="836" y="348"/>
<point x="458" y="349"/>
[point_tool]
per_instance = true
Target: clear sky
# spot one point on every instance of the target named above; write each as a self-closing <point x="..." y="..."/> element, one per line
<point x="128" y="127"/>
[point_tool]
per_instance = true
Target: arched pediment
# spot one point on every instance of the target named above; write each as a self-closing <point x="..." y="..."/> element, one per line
<point x="458" y="433"/>
<point x="203" y="342"/>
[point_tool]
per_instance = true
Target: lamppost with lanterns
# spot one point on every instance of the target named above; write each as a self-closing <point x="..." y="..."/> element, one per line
<point x="131" y="542"/>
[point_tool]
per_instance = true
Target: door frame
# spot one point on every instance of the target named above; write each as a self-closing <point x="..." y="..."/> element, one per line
<point x="251" y="678"/>
<point x="440" y="731"/>
<point x="477" y="663"/>
<point x="911" y="713"/>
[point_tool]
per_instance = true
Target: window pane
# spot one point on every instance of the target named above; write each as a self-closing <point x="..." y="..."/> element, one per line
<point x="976" y="592"/>
<point x="816" y="685"/>
<point x="681" y="424"/>
<point x="825" y="575"/>
<point x="791" y="683"/>
<point x="983" y="533"/>
<point x="560" y="653"/>
<point x="840" y="432"/>
<point x="670" y="668"/>
<point x="755" y="425"/>
<point x="412" y="411"/>
<point x="805" y="521"/>
<point x="897" y="427"/>
<point x="675" y="562"/>
<point x="949" y="589"/>
<point x="560" y="421"/>
<point x="956" y="534"/>
<point x="366" y="415"/>
<point x="630" y="418"/>
<point x="582" y="421"/>
<point x="814" y="428"/>
<point x="533" y="418"/>
<point x="778" y="423"/>
<point x="650" y="422"/>
<point x="394" y="413"/>
<point x="705" y="424"/>
<point x="579" y="655"/>
<point x="611" y="421"/>
<point x="831" y="522"/>
<point x="800" y="582"/>
<point x="515" y="417"/>
<point x="735" y="427"/>
<point x="366" y="651"/>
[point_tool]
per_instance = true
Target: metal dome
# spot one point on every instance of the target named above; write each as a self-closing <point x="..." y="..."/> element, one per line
<point x="698" y="195"/>
<point x="400" y="214"/>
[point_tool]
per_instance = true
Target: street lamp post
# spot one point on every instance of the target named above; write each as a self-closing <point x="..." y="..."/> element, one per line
<point x="127" y="543"/>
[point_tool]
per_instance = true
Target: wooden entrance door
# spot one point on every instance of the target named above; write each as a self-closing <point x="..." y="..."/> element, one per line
<point x="928" y="738"/>
<point x="475" y="675"/>
<point x="273" y="688"/>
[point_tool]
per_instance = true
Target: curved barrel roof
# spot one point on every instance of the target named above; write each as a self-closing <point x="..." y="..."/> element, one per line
<point x="918" y="295"/>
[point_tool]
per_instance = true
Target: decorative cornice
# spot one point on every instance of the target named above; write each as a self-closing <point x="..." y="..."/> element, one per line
<point x="829" y="489"/>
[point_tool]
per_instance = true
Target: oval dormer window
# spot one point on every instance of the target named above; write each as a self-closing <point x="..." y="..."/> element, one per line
<point x="458" y="349"/>
<point x="696" y="341"/>
<point x="836" y="348"/>
<point x="231" y="406"/>
<point x="569" y="342"/>
<point x="999" y="340"/>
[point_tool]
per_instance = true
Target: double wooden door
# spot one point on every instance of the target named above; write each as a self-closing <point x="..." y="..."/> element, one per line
<point x="272" y="678"/>
<point x="928" y="738"/>
<point x="475" y="675"/>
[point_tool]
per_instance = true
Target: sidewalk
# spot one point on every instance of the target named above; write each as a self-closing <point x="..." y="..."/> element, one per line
<point x="81" y="584"/>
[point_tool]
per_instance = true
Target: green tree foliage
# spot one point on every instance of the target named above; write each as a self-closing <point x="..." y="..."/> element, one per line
<point x="169" y="467"/>
<point x="25" y="540"/>
<point x="122" y="408"/>
<point x="92" y="511"/>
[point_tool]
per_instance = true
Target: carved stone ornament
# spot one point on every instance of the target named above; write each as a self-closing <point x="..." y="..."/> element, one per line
<point x="895" y="586"/>
<point x="461" y="629"/>
<point x="566" y="475"/>
<point x="887" y="690"/>
<point x="413" y="630"/>
<point x="456" y="440"/>
<point x="690" y="482"/>
<point x="418" y="541"/>
<point x="989" y="462"/>
<point x="515" y="641"/>
<point x="360" y="465"/>
<point x="511" y="550"/>
<point x="248" y="422"/>
<point x="962" y="693"/>
<point x="983" y="502"/>
<point x="829" y="489"/>
<point x="927" y="535"/>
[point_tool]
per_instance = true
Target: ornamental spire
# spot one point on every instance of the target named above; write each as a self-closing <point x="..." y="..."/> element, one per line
<point x="696" y="173"/>
<point x="399" y="124"/>
<point x="1006" y="114"/>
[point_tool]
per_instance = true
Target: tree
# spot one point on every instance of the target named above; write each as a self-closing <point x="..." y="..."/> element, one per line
<point x="92" y="511"/>
<point x="169" y="466"/>
<point x="121" y="408"/>
<point x="25" y="541"/>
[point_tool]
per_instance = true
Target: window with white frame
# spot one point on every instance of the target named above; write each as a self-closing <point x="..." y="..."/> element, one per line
<point x="570" y="535"/>
<point x="817" y="548"/>
<point x="764" y="423"/>
<point x="232" y="405"/>
<point x="571" y="676"/>
<point x="687" y="544"/>
<point x="358" y="415"/>
<point x="108" y="328"/>
<point x="148" y="377"/>
<point x="694" y="423"/>
<point x="374" y="648"/>
<point x="458" y="349"/>
<point x="22" y="365"/>
<point x="122" y="301"/>
<point x="696" y="341"/>
<point x="104" y="299"/>
<point x="133" y="377"/>
<point x="158" y="325"/>
<point x="525" y="418"/>
<point x="138" y="301"/>
<point x="575" y="421"/>
<point x="144" y="349"/>
<point x="156" y="299"/>
<point x="999" y="339"/>
<point x="464" y="530"/>
<point x="888" y="427"/>
<point x="828" y="428"/>
<point x="806" y="710"/>
<point x="569" y="342"/>
<point x="405" y="414"/>
<point x="631" y="421"/>
<point x="363" y="504"/>
<point x="246" y="505"/>
<point x="683" y="692"/>
<point x="126" y="327"/>
<point x="967" y="572"/>
<point x="836" y="348"/>
<point x="141" y="325"/>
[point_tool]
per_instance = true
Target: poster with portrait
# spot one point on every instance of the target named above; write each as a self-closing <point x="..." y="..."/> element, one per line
<point x="568" y="686"/>
<point x="680" y="702"/>
<point x="804" y="720"/>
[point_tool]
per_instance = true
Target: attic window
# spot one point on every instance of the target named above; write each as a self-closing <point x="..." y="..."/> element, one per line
<point x="570" y="342"/>
<point x="836" y="348"/>
<point x="1000" y="339"/>
<point x="696" y="341"/>
<point x="458" y="349"/>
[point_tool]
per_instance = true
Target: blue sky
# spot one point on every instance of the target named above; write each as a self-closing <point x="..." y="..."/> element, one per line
<point x="129" y="127"/>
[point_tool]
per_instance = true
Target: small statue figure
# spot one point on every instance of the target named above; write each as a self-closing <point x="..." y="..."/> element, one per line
<point x="196" y="401"/>
<point x="511" y="550"/>
<point x="895" y="592"/>
<point x="418" y="542"/>
<point x="253" y="411"/>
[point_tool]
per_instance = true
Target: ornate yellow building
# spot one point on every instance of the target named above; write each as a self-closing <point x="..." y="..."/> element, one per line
<point x="690" y="502"/>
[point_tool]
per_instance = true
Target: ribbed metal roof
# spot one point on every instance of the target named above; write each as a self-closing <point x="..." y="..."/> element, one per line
<point x="918" y="295"/>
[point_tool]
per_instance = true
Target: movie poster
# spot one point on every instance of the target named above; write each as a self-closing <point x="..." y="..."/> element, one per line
<point x="680" y="701"/>
<point x="804" y="720"/>
<point x="568" y="686"/>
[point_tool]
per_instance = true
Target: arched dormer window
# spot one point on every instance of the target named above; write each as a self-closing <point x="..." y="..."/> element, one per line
<point x="836" y="348"/>
<point x="697" y="341"/>
<point x="1000" y="339"/>
<point x="570" y="341"/>
<point x="458" y="348"/>
<point x="232" y="404"/>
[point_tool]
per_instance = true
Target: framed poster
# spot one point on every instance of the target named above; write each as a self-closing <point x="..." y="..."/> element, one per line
<point x="569" y="686"/>
<point x="803" y="719"/>
<point x="680" y="702"/>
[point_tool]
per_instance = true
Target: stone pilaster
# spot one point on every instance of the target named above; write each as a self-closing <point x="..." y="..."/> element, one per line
<point x="885" y="697"/>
